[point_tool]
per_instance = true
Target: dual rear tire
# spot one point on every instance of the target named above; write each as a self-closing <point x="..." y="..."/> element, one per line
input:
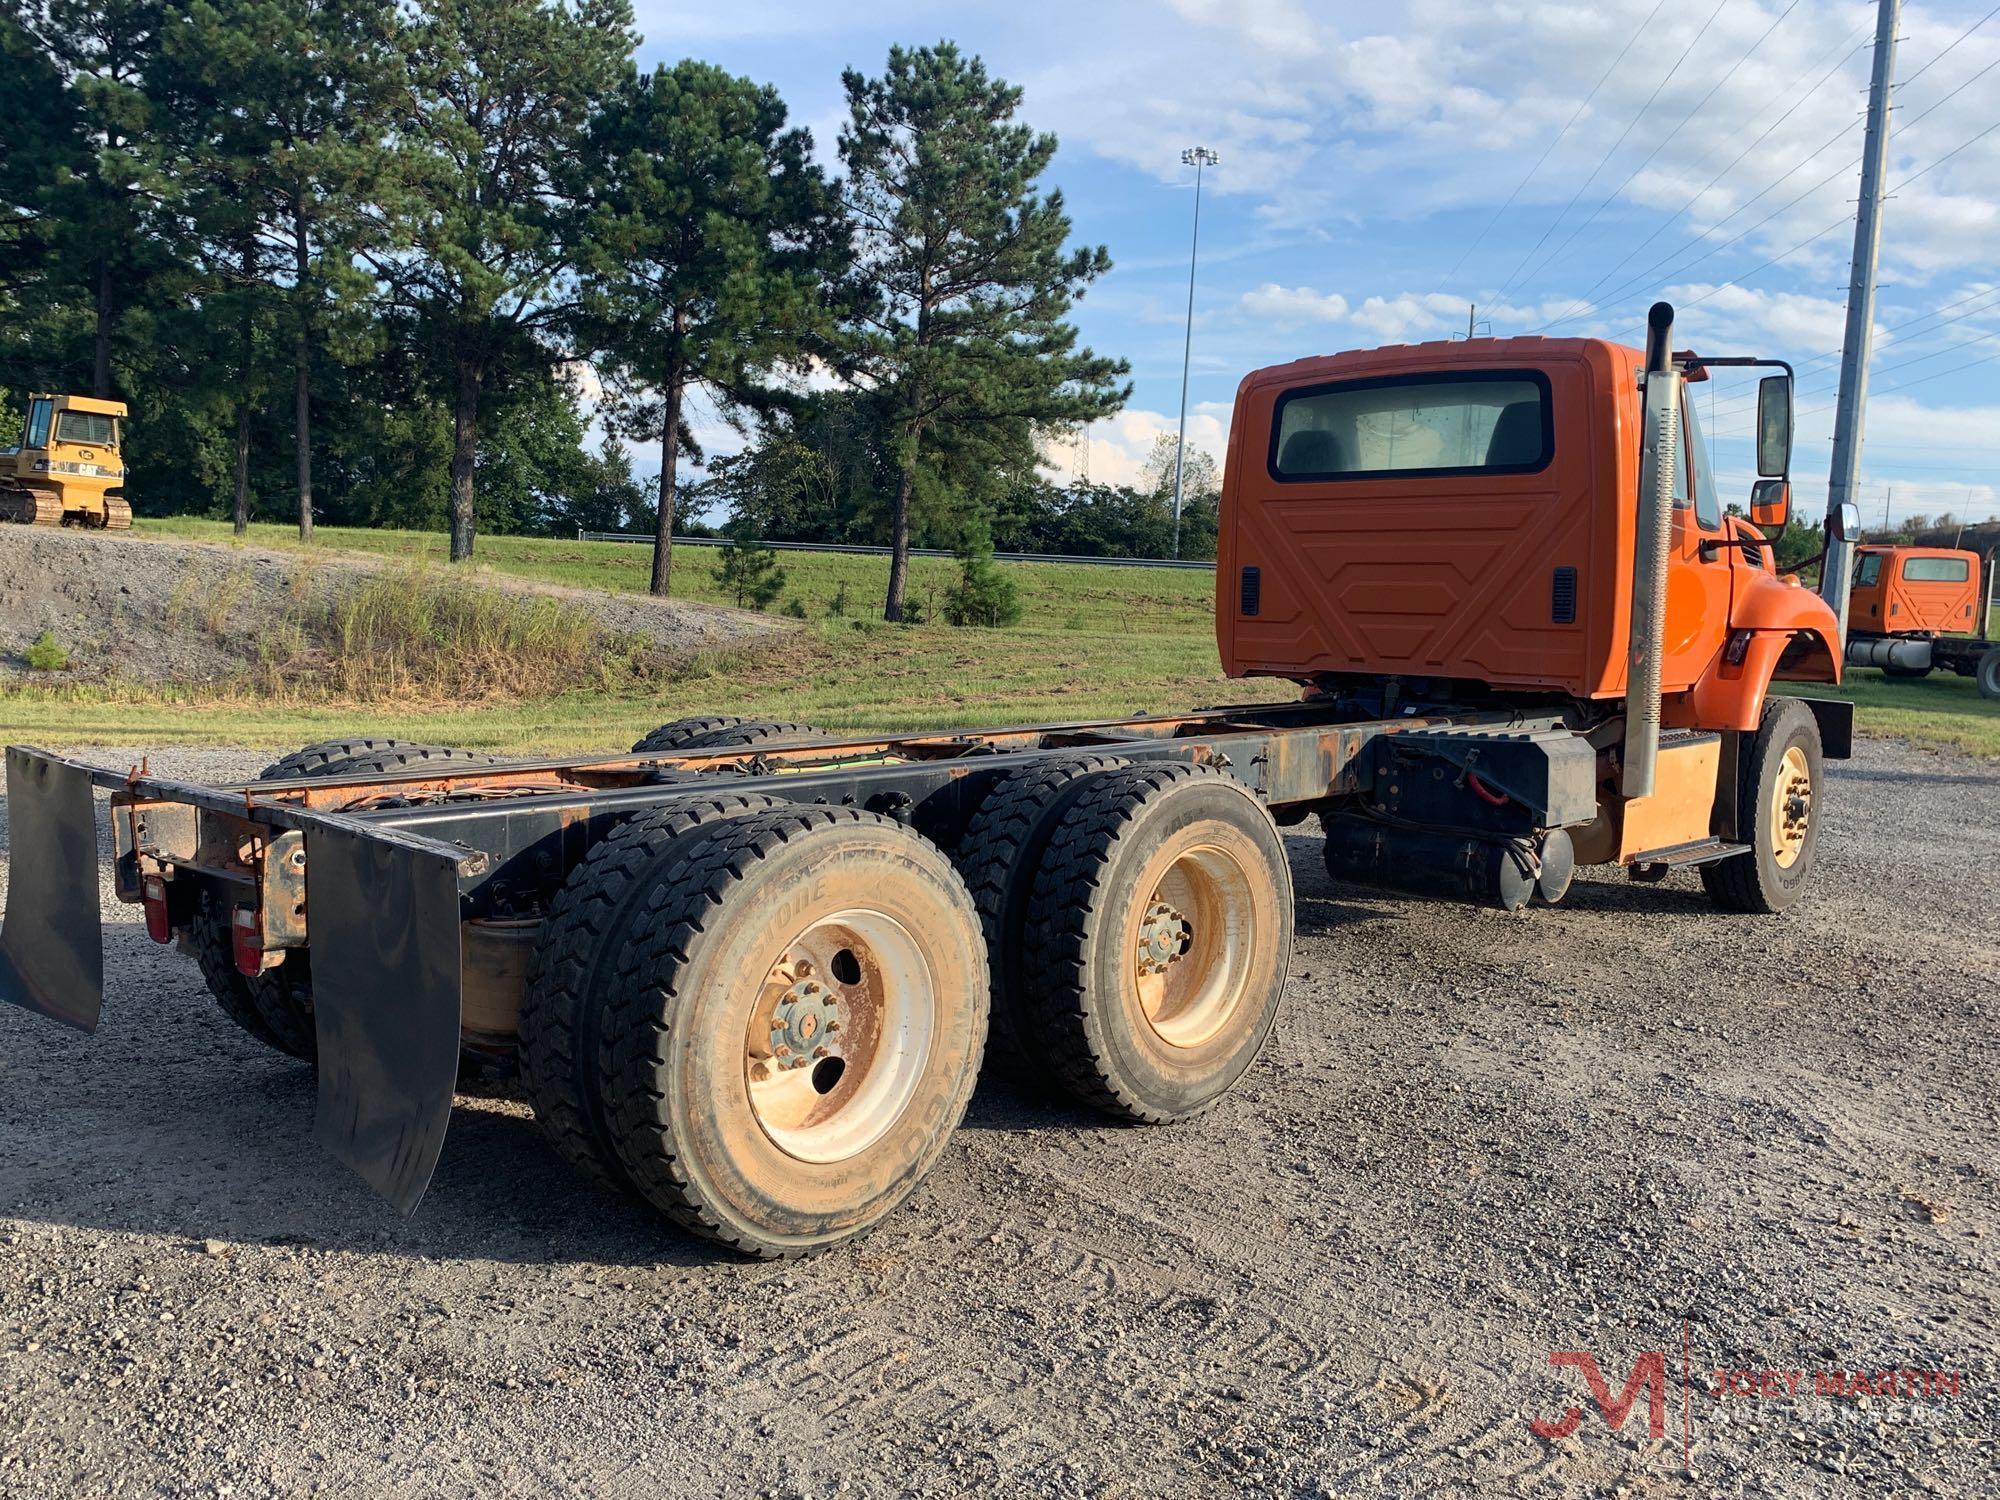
<point x="773" y="1031"/>
<point x="766" y="1020"/>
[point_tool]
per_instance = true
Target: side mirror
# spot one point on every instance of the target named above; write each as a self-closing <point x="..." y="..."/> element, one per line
<point x="1845" y="522"/>
<point x="1774" y="425"/>
<point x="1770" y="503"/>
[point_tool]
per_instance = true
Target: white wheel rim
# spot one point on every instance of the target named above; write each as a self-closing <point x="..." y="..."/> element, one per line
<point x="1189" y="987"/>
<point x="1791" y="807"/>
<point x="839" y="1035"/>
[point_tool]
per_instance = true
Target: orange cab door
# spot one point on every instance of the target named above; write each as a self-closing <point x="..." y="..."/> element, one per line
<point x="1698" y="577"/>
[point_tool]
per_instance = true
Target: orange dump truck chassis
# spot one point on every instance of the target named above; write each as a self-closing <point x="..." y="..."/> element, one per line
<point x="748" y="971"/>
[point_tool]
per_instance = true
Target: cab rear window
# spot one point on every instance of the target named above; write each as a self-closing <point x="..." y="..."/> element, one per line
<point x="1936" y="570"/>
<point x="1488" y="422"/>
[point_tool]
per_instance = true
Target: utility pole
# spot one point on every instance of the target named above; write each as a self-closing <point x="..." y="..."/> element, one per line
<point x="1888" y="494"/>
<point x="1851" y="413"/>
<point x="1196" y="157"/>
<point x="1471" y="315"/>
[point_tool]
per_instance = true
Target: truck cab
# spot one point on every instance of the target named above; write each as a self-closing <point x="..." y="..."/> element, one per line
<point x="1927" y="591"/>
<point x="1462" y="515"/>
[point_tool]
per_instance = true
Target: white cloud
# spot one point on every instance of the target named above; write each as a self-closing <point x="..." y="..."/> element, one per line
<point x="1393" y="319"/>
<point x="1299" y="303"/>
<point x="1751" y="320"/>
<point x="1120" y="445"/>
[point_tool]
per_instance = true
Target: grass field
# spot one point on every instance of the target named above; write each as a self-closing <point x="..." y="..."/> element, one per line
<point x="1095" y="642"/>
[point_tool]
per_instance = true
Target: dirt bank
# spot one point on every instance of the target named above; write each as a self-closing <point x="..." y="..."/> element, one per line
<point x="163" y="611"/>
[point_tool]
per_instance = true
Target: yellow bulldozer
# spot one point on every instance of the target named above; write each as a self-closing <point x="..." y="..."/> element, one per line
<point x="68" y="470"/>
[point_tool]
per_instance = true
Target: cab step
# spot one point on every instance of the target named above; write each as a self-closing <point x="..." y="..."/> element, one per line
<point x="1654" y="864"/>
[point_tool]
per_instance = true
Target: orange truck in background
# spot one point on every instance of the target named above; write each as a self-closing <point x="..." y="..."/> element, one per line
<point x="1915" y="609"/>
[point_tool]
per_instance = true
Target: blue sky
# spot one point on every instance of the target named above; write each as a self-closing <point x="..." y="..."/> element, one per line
<point x="1559" y="164"/>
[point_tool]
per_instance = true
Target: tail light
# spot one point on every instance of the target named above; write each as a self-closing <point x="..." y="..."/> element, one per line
<point x="153" y="896"/>
<point x="246" y="933"/>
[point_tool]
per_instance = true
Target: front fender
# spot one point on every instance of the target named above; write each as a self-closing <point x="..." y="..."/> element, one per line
<point x="1777" y="630"/>
<point x="1761" y="601"/>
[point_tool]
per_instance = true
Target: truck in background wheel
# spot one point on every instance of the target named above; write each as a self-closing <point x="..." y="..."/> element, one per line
<point x="748" y="970"/>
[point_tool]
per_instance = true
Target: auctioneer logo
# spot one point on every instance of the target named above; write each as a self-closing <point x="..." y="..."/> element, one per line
<point x="1649" y="1380"/>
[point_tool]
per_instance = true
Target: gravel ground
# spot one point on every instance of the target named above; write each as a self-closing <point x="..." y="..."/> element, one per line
<point x="1477" y="1139"/>
<point x="139" y="604"/>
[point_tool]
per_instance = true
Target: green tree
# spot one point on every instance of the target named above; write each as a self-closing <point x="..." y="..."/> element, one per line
<point x="983" y="595"/>
<point x="965" y="283"/>
<point x="479" y="215"/>
<point x="87" y="180"/>
<point x="711" y="235"/>
<point x="748" y="570"/>
<point x="283" y="99"/>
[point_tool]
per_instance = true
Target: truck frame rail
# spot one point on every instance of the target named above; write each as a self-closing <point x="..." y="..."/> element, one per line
<point x="382" y="873"/>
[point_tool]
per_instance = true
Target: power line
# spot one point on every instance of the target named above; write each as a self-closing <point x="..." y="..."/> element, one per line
<point x="1629" y="127"/>
<point x="1667" y="139"/>
<point x="1645" y="277"/>
<point x="1904" y="385"/>
<point x="1742" y="403"/>
<point x="1948" y="155"/>
<point x="1559" y="137"/>
<point x="1950" y="48"/>
<point x="1846" y="50"/>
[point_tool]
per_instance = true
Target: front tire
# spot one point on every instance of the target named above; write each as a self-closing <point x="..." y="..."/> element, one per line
<point x="794" y="1026"/>
<point x="1778" y="798"/>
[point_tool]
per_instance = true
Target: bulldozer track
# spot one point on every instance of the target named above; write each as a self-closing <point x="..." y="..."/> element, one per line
<point x="28" y="507"/>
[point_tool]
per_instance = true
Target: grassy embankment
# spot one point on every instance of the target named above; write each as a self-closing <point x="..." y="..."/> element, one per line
<point x="1095" y="642"/>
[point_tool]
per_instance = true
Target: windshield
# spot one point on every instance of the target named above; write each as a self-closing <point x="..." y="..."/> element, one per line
<point x="88" y="427"/>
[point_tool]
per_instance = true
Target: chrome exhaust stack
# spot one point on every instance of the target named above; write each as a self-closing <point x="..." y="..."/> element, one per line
<point x="1652" y="533"/>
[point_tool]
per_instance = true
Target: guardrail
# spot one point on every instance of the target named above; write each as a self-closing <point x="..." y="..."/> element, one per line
<point x="858" y="550"/>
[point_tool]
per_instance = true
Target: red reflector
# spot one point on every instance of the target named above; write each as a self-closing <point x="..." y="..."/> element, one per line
<point x="247" y="939"/>
<point x="153" y="896"/>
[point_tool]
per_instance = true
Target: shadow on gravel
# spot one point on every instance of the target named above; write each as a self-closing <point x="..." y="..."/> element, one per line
<point x="169" y="1122"/>
<point x="1614" y="894"/>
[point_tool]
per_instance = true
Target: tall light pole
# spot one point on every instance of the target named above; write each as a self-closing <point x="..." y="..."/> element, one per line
<point x="1852" y="405"/>
<point x="1196" y="157"/>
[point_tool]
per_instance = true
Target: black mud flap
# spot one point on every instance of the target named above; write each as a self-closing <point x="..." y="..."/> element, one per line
<point x="1835" y="717"/>
<point x="385" y="950"/>
<point x="52" y="942"/>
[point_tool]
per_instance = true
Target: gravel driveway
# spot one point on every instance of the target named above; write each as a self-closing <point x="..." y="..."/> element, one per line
<point x="1627" y="1125"/>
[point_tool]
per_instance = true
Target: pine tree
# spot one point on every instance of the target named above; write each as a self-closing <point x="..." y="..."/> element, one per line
<point x="281" y="100"/>
<point x="965" y="284"/>
<point x="92" y="179"/>
<point x="481" y="213"/>
<point x="748" y="570"/>
<point x="983" y="594"/>
<point x="712" y="234"/>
